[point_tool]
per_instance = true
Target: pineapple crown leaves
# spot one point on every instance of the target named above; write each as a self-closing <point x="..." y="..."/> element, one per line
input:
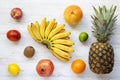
<point x="103" y="21"/>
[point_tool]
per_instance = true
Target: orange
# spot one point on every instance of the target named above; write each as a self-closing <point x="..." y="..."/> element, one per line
<point x="73" y="14"/>
<point x="78" y="66"/>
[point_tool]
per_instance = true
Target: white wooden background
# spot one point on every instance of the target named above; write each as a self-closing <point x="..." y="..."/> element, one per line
<point x="33" y="10"/>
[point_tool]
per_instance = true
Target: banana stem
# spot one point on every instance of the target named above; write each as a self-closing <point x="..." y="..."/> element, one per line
<point x="47" y="43"/>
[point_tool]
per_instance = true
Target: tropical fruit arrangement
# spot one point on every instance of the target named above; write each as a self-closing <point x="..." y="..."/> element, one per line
<point x="57" y="40"/>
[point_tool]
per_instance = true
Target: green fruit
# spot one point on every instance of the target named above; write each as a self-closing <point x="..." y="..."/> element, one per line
<point x="83" y="36"/>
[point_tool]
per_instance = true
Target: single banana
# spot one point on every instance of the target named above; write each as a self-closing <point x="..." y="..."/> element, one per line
<point x="63" y="41"/>
<point x="59" y="57"/>
<point x="63" y="47"/>
<point x="66" y="38"/>
<point x="37" y="25"/>
<point x="47" y="23"/>
<point x="36" y="31"/>
<point x="60" y="36"/>
<point x="61" y="31"/>
<point x="38" y="28"/>
<point x="49" y="27"/>
<point x="56" y="30"/>
<point x="43" y="26"/>
<point x="61" y="53"/>
<point x="55" y="25"/>
<point x="31" y="33"/>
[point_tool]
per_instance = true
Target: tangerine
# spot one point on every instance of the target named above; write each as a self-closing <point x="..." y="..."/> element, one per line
<point x="78" y="66"/>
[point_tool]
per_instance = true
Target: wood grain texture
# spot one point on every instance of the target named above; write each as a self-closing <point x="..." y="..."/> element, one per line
<point x="33" y="10"/>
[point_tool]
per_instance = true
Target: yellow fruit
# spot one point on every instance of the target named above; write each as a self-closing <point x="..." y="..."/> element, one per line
<point x="54" y="37"/>
<point x="78" y="66"/>
<point x="13" y="69"/>
<point x="73" y="14"/>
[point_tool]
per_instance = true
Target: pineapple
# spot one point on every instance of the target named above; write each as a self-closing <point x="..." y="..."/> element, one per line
<point x="101" y="54"/>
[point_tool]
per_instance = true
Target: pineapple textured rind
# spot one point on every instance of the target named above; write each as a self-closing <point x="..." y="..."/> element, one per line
<point x="101" y="58"/>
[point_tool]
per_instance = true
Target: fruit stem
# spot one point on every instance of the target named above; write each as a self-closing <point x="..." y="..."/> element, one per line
<point x="72" y="12"/>
<point x="47" y="43"/>
<point x="42" y="70"/>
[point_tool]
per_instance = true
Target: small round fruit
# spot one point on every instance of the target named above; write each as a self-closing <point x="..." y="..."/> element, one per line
<point x="45" y="67"/>
<point x="13" y="35"/>
<point x="73" y="14"/>
<point x="13" y="69"/>
<point x="83" y="36"/>
<point x="16" y="13"/>
<point x="29" y="52"/>
<point x="78" y="66"/>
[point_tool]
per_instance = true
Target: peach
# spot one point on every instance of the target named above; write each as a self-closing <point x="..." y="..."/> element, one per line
<point x="73" y="14"/>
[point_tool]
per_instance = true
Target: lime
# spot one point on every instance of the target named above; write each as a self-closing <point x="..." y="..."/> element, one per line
<point x="13" y="69"/>
<point x="83" y="36"/>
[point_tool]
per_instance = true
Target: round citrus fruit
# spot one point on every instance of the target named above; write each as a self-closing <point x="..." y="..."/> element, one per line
<point x="78" y="66"/>
<point x="13" y="69"/>
<point x="83" y="36"/>
<point x="73" y="14"/>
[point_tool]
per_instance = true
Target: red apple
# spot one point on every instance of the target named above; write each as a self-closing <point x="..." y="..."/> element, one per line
<point x="13" y="35"/>
<point x="16" y="13"/>
<point x="45" y="67"/>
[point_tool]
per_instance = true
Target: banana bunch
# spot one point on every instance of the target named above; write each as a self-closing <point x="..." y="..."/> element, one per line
<point x="53" y="36"/>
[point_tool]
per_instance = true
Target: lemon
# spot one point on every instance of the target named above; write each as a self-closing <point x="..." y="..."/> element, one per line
<point x="13" y="69"/>
<point x="83" y="36"/>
